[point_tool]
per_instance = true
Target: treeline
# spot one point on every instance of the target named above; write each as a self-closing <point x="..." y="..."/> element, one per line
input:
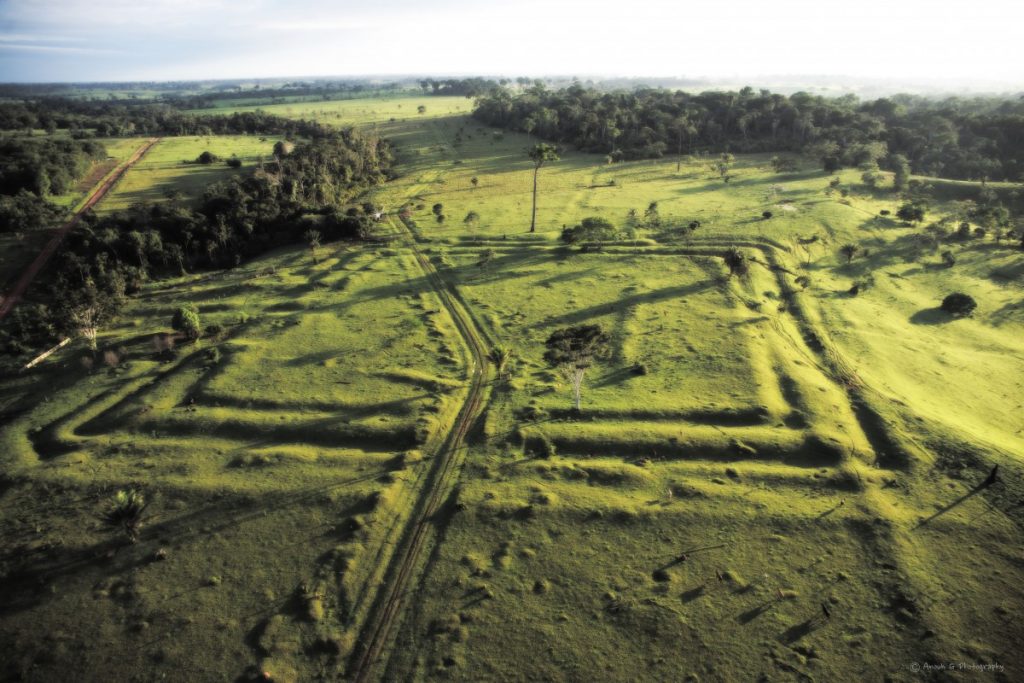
<point x="958" y="138"/>
<point x="325" y="91"/>
<point x="85" y="119"/>
<point x="108" y="258"/>
<point x="468" y="87"/>
<point x="45" y="166"/>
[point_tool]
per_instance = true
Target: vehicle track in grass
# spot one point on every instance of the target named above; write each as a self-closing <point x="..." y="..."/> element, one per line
<point x="413" y="548"/>
<point x="40" y="261"/>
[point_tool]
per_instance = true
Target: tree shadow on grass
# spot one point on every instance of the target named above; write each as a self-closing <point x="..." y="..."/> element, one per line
<point x="931" y="316"/>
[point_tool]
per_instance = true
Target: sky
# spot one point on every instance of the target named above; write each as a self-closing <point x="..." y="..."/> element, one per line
<point x="952" y="41"/>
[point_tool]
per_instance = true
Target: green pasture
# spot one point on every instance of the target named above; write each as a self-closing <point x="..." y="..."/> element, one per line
<point x="169" y="168"/>
<point x="751" y="448"/>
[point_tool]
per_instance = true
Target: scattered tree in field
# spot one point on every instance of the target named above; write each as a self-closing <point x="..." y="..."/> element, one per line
<point x="421" y="109"/>
<point x="540" y="154"/>
<point x="500" y="357"/>
<point x="723" y="165"/>
<point x="802" y="281"/>
<point x="590" y="229"/>
<point x="438" y="209"/>
<point x="486" y="257"/>
<point x="911" y="212"/>
<point x="766" y="215"/>
<point x="784" y="164"/>
<point x="313" y="239"/>
<point x="652" y="219"/>
<point x="870" y="175"/>
<point x="948" y="259"/>
<point x="207" y="157"/>
<point x="125" y="512"/>
<point x="572" y="350"/>
<point x="475" y="181"/>
<point x="849" y="251"/>
<point x="736" y="262"/>
<point x="471" y="220"/>
<point x="234" y="162"/>
<point x="186" y="321"/>
<point x="959" y="305"/>
<point x="900" y="172"/>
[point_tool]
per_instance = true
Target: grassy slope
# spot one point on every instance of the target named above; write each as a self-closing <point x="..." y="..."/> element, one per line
<point x="792" y="499"/>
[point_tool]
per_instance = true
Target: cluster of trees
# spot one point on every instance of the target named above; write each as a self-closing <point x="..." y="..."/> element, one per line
<point x="107" y="258"/>
<point x="954" y="137"/>
<point x="24" y="211"/>
<point x="45" y="166"/>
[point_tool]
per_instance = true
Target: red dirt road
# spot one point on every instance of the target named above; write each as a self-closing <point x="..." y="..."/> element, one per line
<point x="12" y="297"/>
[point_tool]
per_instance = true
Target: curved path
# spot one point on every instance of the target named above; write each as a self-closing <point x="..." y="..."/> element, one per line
<point x="406" y="562"/>
<point x="98" y="193"/>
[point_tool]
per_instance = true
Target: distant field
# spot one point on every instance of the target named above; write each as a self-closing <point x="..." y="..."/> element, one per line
<point x="772" y="475"/>
<point x="376" y="110"/>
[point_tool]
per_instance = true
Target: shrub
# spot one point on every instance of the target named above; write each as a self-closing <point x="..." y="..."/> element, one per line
<point x="766" y="215"/>
<point x="186" y="321"/>
<point x="234" y="162"/>
<point x="125" y="512"/>
<point x="884" y="212"/>
<point x="540" y="446"/>
<point x="214" y="331"/>
<point x="207" y="157"/>
<point x="736" y="262"/>
<point x="948" y="259"/>
<point x="959" y="305"/>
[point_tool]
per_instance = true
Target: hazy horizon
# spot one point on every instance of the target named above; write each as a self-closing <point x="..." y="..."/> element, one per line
<point x="955" y="45"/>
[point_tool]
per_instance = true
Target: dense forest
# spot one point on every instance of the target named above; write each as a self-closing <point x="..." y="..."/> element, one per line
<point x="45" y="166"/>
<point x="300" y="195"/>
<point x="974" y="139"/>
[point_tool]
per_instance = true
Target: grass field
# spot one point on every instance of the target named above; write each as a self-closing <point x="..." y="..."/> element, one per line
<point x="168" y="168"/>
<point x="766" y="480"/>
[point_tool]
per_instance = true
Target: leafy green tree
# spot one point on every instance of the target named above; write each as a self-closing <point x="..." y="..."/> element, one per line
<point x="736" y="262"/>
<point x="186" y="321"/>
<point x="652" y="219"/>
<point x="590" y="229"/>
<point x="911" y="212"/>
<point x="540" y="154"/>
<point x="900" y="166"/>
<point x="572" y="350"/>
<point x="471" y="220"/>
<point x="25" y="212"/>
<point x="959" y="305"/>
<point x="486" y="257"/>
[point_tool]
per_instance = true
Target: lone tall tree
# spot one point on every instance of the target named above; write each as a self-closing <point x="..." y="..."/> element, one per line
<point x="541" y="154"/>
<point x="573" y="349"/>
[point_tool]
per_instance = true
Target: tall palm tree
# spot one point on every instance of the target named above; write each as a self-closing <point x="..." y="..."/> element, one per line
<point x="541" y="154"/>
